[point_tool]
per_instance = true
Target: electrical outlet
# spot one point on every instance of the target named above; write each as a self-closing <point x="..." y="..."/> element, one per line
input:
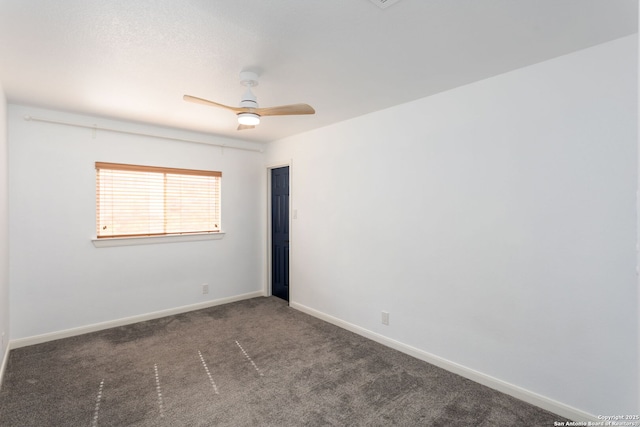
<point x="385" y="318"/>
<point x="205" y="288"/>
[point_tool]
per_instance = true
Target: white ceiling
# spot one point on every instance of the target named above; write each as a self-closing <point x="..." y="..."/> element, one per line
<point x="134" y="60"/>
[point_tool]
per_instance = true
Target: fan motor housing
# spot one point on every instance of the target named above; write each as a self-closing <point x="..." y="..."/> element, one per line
<point x="249" y="103"/>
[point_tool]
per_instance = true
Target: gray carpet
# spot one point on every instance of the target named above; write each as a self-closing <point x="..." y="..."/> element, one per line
<point x="250" y="363"/>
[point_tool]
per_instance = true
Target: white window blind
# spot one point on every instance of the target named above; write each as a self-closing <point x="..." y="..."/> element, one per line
<point x="133" y="200"/>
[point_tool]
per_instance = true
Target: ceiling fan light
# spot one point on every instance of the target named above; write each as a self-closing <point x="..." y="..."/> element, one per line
<point x="249" y="119"/>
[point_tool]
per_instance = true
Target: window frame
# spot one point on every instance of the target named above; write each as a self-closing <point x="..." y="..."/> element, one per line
<point x="148" y="238"/>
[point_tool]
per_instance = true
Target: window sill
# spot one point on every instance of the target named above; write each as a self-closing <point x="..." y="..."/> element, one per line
<point x="152" y="240"/>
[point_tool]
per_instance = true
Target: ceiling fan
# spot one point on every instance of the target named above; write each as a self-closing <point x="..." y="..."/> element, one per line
<point x="249" y="112"/>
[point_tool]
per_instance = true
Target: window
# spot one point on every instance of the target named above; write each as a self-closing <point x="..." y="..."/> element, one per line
<point x="134" y="200"/>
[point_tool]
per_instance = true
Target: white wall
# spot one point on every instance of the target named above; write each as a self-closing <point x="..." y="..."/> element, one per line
<point x="4" y="230"/>
<point x="495" y="222"/>
<point x="59" y="280"/>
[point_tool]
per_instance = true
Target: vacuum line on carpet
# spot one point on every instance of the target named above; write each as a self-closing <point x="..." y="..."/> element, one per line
<point x="249" y="358"/>
<point x="94" y="421"/>
<point x="206" y="368"/>
<point x="158" y="390"/>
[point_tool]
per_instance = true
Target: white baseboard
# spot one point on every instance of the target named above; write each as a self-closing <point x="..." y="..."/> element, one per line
<point x="38" y="339"/>
<point x="538" y="400"/>
<point x="5" y="360"/>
